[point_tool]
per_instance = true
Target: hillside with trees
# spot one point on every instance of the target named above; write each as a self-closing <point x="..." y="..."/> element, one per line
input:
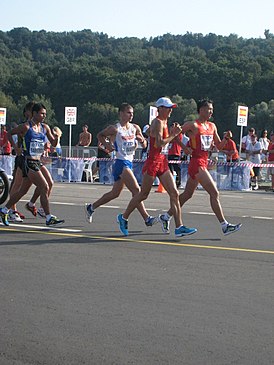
<point x="96" y="73"/>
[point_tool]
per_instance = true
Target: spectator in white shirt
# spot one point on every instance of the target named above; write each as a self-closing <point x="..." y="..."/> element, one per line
<point x="253" y="154"/>
<point x="247" y="139"/>
<point x="265" y="143"/>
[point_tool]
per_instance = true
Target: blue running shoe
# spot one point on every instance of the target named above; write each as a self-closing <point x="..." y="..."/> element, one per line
<point x="89" y="211"/>
<point x="150" y="221"/>
<point x="123" y="224"/>
<point x="4" y="217"/>
<point x="54" y="221"/>
<point x="231" y="228"/>
<point x="184" y="231"/>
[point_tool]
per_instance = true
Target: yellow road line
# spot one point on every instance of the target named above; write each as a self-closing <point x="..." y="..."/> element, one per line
<point x="126" y="239"/>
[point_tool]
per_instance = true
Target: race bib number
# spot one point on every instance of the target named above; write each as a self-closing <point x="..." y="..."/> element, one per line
<point x="36" y="148"/>
<point x="206" y="142"/>
<point x="129" y="147"/>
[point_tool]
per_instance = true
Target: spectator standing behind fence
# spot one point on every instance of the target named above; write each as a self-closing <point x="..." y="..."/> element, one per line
<point x="174" y="154"/>
<point x="230" y="148"/>
<point x="253" y="154"/>
<point x="271" y="158"/>
<point x="85" y="138"/>
<point x="247" y="139"/>
<point x="264" y="143"/>
<point x="5" y="146"/>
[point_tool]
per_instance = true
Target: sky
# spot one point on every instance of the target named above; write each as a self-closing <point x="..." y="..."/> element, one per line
<point x="142" y="18"/>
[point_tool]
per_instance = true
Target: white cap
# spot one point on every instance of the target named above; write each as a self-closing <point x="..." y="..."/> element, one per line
<point x="165" y="102"/>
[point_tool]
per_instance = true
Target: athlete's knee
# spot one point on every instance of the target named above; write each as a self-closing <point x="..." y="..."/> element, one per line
<point x="215" y="195"/>
<point x="174" y="194"/>
<point x="135" y="191"/>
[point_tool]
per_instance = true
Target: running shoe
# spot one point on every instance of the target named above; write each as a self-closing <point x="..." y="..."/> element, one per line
<point x="89" y="211"/>
<point x="41" y="212"/>
<point x="184" y="231"/>
<point x="54" y="221"/>
<point x="231" y="228"/>
<point x="123" y="224"/>
<point x="165" y="223"/>
<point x="32" y="209"/>
<point x="150" y="221"/>
<point x="20" y="214"/>
<point x="13" y="216"/>
<point x="4" y="217"/>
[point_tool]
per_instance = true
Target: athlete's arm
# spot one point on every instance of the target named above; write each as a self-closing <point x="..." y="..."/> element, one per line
<point x="139" y="136"/>
<point x="53" y="139"/>
<point x="106" y="136"/>
<point x="21" y="130"/>
<point x="217" y="140"/>
<point x="157" y="131"/>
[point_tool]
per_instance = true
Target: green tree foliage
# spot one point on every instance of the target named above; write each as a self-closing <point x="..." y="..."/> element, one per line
<point x="96" y="73"/>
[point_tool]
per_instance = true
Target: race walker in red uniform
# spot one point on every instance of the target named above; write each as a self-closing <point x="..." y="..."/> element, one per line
<point x="202" y="134"/>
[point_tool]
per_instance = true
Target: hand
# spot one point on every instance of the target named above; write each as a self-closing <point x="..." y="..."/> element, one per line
<point x="175" y="129"/>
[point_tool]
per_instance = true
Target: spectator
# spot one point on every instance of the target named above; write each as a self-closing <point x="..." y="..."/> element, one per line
<point x="230" y="148"/>
<point x="85" y="137"/>
<point x="5" y="145"/>
<point x="174" y="154"/>
<point x="247" y="139"/>
<point x="253" y="154"/>
<point x="264" y="143"/>
<point x="271" y="158"/>
<point x="146" y="148"/>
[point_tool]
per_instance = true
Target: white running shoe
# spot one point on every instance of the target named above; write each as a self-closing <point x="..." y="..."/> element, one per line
<point x="14" y="217"/>
<point x="165" y="223"/>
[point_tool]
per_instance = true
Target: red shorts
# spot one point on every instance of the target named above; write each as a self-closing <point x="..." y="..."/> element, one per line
<point x="194" y="165"/>
<point x="155" y="167"/>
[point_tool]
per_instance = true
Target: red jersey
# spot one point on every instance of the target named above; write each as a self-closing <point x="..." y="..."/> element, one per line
<point x="201" y="142"/>
<point x="4" y="141"/>
<point x="174" y="148"/>
<point x="158" y="153"/>
<point x="271" y="155"/>
<point x="230" y="145"/>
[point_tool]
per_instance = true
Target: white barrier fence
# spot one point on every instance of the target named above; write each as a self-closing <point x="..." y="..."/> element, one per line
<point x="228" y="176"/>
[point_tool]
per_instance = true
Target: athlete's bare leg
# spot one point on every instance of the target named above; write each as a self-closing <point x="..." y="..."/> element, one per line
<point x="168" y="183"/>
<point x="208" y="184"/>
<point x="141" y="196"/>
<point x="204" y="178"/>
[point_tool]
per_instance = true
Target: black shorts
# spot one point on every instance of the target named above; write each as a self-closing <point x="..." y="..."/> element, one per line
<point x="34" y="165"/>
<point x="256" y="171"/>
<point x="19" y="162"/>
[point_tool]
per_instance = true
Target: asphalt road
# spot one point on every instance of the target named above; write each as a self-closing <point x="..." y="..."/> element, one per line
<point x="83" y="294"/>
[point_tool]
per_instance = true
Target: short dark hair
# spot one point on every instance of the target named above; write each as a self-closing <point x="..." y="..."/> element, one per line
<point x="37" y="107"/>
<point x="124" y="106"/>
<point x="203" y="102"/>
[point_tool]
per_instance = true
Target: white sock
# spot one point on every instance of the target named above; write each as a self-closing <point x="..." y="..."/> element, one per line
<point x="167" y="217"/>
<point x="30" y="204"/>
<point x="48" y="216"/>
<point x="224" y="224"/>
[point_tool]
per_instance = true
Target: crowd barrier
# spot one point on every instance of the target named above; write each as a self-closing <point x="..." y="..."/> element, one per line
<point x="228" y="176"/>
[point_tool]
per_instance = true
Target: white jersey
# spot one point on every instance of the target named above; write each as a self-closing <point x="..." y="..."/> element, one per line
<point x="125" y="142"/>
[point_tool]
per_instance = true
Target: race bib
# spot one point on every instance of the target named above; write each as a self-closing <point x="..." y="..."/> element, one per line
<point x="206" y="142"/>
<point x="128" y="147"/>
<point x="36" y="148"/>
